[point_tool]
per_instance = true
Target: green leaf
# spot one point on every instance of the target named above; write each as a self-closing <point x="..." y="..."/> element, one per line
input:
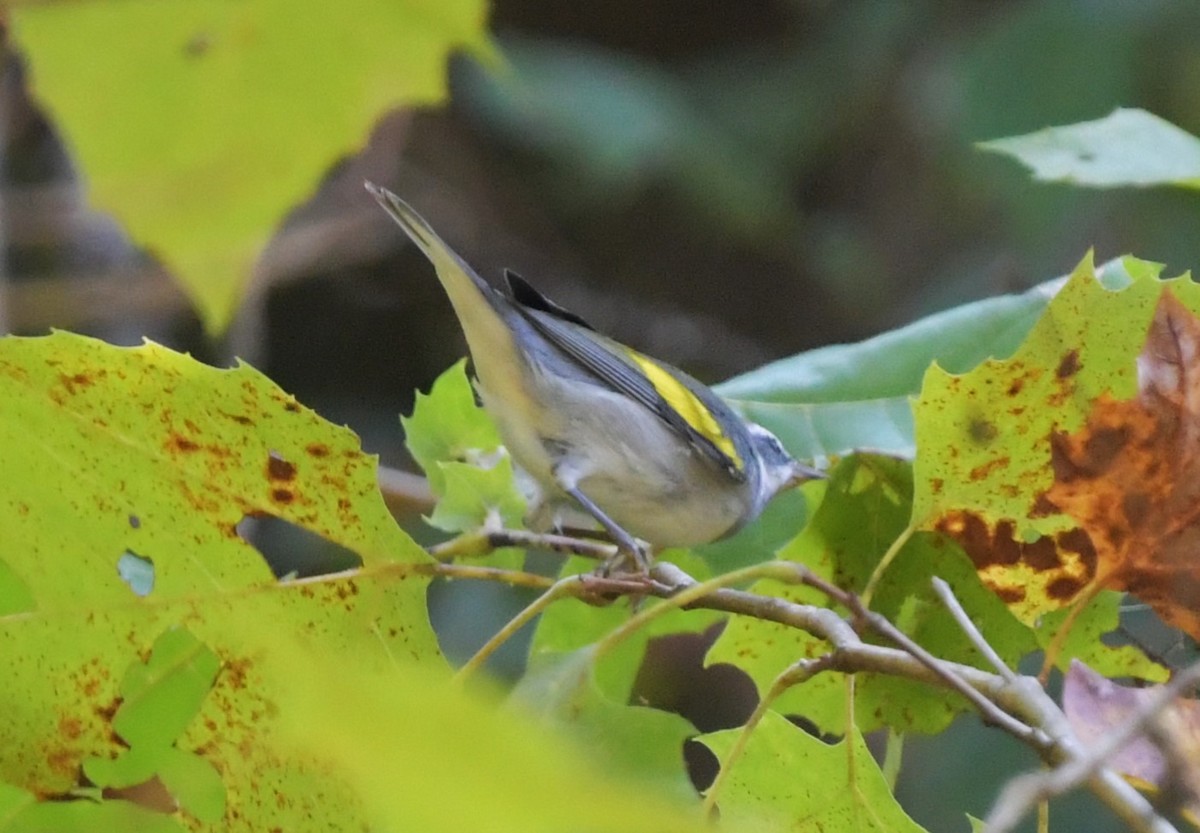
<point x="128" y="768"/>
<point x="447" y="426"/>
<point x="837" y="399"/>
<point x="1125" y="148"/>
<point x="855" y="397"/>
<point x="759" y="540"/>
<point x="475" y="495"/>
<point x="112" y="450"/>
<point x="84" y="816"/>
<point x="14" y="593"/>
<point x="457" y="444"/>
<point x="194" y="783"/>
<point x="398" y="741"/>
<point x="893" y="363"/>
<point x="13" y="801"/>
<point x="788" y="780"/>
<point x="1084" y="643"/>
<point x="640" y="743"/>
<point x="200" y="123"/>
<point x="162" y="696"/>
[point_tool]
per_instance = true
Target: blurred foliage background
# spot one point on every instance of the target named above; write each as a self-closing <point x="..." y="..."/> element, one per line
<point x="717" y="183"/>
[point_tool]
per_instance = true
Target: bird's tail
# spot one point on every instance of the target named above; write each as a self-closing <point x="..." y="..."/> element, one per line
<point x="481" y="310"/>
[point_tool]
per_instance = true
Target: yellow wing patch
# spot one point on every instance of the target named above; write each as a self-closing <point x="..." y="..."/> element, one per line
<point x="687" y="404"/>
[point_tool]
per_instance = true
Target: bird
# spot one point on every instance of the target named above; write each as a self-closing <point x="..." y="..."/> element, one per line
<point x="654" y="456"/>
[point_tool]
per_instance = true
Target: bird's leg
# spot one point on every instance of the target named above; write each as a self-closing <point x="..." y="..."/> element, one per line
<point x="628" y="548"/>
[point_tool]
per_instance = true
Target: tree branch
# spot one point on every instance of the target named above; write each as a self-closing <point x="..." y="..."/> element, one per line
<point x="1015" y="703"/>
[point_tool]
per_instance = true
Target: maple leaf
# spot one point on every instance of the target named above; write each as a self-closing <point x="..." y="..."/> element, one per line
<point x="1130" y="477"/>
<point x="1067" y="470"/>
<point x="985" y="440"/>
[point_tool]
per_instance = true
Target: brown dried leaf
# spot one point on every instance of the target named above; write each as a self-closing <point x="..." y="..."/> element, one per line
<point x="1130" y="477"/>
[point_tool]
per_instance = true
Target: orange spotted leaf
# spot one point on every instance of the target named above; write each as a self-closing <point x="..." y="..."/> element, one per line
<point x="1130" y="477"/>
<point x="1070" y="467"/>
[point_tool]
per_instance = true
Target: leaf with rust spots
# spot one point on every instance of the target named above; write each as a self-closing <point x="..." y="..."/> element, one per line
<point x="1130" y="477"/>
<point x="1096" y="707"/>
<point x="189" y="450"/>
<point x="1057" y="408"/>
<point x="837" y="545"/>
<point x="160" y="455"/>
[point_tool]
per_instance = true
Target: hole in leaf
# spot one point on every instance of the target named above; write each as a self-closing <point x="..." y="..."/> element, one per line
<point x="137" y="571"/>
<point x="674" y="678"/>
<point x="292" y="551"/>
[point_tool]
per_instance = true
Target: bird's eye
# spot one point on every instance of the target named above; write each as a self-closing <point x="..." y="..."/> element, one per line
<point x="769" y="444"/>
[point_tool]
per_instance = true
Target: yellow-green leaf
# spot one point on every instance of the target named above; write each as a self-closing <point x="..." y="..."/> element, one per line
<point x="400" y="741"/>
<point x="789" y="780"/>
<point x="200" y="123"/>
<point x="109" y="451"/>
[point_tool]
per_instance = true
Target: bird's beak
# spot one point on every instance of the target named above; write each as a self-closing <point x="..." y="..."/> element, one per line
<point x="802" y="474"/>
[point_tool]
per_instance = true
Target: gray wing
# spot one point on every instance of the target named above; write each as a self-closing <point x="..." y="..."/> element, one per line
<point x="605" y="359"/>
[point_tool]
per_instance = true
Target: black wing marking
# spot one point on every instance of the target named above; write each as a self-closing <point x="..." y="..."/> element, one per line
<point x="525" y="295"/>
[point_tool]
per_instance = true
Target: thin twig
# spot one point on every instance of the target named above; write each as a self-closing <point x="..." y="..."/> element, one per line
<point x="502" y="575"/>
<point x="878" y="623"/>
<point x="968" y="627"/>
<point x="684" y="596"/>
<point x="484" y="541"/>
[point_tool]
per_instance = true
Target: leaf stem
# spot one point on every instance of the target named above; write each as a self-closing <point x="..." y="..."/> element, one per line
<point x="795" y="674"/>
<point x="886" y="561"/>
<point x="559" y="589"/>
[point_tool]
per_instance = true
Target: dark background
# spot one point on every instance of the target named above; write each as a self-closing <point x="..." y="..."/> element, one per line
<point x="717" y="183"/>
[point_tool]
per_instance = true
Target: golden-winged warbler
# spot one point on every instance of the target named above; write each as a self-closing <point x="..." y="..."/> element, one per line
<point x="645" y="449"/>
